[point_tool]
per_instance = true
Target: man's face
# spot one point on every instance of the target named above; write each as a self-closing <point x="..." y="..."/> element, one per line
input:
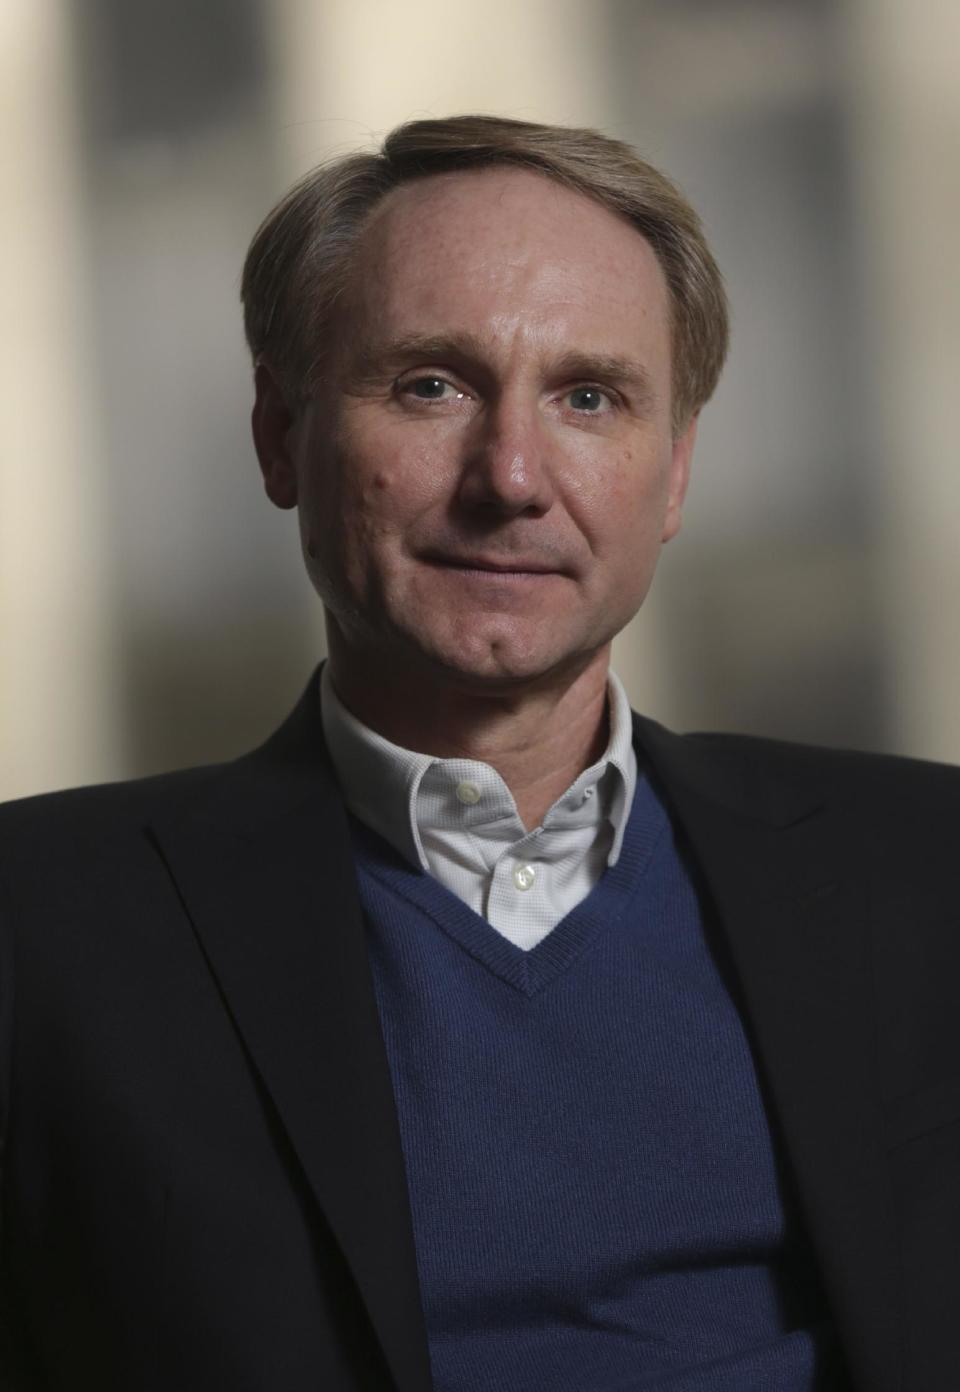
<point x="486" y="479"/>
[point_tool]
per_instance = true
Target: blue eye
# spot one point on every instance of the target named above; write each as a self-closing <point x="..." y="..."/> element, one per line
<point x="428" y="388"/>
<point x="588" y="399"/>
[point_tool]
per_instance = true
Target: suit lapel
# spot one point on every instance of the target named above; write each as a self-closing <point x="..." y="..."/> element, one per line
<point x="264" y="867"/>
<point x="798" y="938"/>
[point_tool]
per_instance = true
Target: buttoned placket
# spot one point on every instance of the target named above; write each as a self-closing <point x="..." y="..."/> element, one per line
<point x="458" y="821"/>
<point x="515" y="863"/>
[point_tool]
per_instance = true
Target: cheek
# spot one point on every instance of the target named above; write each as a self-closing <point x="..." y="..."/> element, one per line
<point x="404" y="493"/>
<point x="378" y="503"/>
<point x="358" y="514"/>
<point x="623" y="503"/>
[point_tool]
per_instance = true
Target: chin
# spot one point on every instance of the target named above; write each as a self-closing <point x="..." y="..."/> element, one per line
<point x="489" y="662"/>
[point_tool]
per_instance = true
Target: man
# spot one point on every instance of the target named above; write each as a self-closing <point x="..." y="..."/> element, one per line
<point x="470" y="1033"/>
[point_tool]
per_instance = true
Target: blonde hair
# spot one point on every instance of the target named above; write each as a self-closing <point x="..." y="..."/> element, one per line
<point x="300" y="258"/>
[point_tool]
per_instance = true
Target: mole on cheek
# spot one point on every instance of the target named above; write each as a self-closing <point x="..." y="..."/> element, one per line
<point x="373" y="490"/>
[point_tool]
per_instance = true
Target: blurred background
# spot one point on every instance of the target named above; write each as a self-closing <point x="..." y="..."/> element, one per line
<point x="153" y="610"/>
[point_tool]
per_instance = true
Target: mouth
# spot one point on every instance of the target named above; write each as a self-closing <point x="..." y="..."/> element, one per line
<point x="515" y="566"/>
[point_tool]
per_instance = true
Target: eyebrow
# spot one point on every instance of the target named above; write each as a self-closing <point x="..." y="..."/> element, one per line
<point x="380" y="358"/>
<point x="607" y="367"/>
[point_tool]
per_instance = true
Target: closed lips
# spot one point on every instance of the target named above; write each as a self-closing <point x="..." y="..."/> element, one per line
<point x="511" y="567"/>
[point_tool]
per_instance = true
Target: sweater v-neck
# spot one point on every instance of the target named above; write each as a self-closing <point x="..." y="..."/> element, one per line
<point x="527" y="972"/>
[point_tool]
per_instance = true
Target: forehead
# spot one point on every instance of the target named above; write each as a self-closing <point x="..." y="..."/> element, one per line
<point x="510" y="251"/>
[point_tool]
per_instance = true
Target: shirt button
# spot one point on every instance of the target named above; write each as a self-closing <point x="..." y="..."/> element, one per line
<point x="524" y="876"/>
<point x="468" y="793"/>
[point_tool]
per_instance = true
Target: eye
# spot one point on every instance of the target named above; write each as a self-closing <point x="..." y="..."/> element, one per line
<point x="430" y="388"/>
<point x="592" y="401"/>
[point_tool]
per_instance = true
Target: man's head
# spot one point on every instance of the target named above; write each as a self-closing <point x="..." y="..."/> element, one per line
<point x="480" y="356"/>
<point x="302" y="255"/>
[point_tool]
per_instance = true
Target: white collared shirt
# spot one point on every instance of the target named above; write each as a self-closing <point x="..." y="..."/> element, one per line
<point x="457" y="820"/>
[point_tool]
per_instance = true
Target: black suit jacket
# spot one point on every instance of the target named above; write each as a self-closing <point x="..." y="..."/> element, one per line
<point x="203" y="1184"/>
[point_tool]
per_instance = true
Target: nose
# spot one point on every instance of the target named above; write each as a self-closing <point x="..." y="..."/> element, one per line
<point x="506" y="469"/>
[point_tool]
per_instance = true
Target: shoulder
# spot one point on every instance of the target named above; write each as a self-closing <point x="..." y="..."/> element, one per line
<point x="110" y="809"/>
<point x="100" y="806"/>
<point x="906" y="799"/>
<point x="886" y="804"/>
<point x="850" y="771"/>
<point x="78" y="834"/>
<point x="109" y="835"/>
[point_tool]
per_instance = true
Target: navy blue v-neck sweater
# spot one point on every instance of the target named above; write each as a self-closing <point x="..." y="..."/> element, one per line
<point x="595" y="1192"/>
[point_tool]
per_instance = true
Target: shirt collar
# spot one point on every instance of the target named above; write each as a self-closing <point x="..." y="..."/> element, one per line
<point x="621" y="756"/>
<point x="380" y="781"/>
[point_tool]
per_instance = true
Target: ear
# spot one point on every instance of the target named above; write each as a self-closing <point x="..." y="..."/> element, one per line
<point x="273" y="422"/>
<point x="679" y="478"/>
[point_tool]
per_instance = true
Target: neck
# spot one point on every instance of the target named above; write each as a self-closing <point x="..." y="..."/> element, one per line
<point x="539" y="737"/>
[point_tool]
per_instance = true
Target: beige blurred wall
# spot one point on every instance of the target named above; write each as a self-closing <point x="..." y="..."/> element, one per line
<point x="59" y="710"/>
<point x="152" y="607"/>
<point x="904" y="81"/>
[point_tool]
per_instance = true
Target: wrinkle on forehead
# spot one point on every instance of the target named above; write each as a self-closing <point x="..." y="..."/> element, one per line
<point x="513" y="247"/>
